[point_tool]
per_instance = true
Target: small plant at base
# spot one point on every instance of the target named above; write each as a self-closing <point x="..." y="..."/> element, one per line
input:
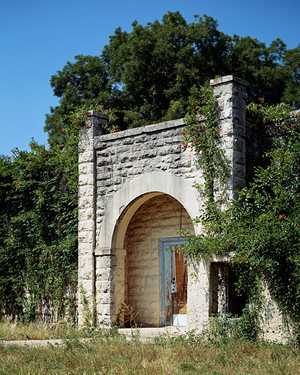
<point x="126" y="316"/>
<point x="88" y="318"/>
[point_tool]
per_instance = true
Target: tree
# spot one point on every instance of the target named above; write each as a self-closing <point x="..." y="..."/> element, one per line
<point x="261" y="66"/>
<point x="83" y="82"/>
<point x="38" y="233"/>
<point x="292" y="88"/>
<point x="147" y="74"/>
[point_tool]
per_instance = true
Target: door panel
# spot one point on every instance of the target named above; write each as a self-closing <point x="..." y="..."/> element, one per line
<point x="165" y="287"/>
<point x="173" y="280"/>
<point x="180" y="297"/>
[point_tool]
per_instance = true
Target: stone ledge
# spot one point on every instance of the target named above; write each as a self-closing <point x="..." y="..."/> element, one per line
<point x="227" y="79"/>
<point x="138" y="131"/>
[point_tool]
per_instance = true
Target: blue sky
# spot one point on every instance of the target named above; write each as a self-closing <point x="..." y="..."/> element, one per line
<point x="38" y="37"/>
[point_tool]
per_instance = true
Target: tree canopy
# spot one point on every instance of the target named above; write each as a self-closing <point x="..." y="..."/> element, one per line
<point x="147" y="74"/>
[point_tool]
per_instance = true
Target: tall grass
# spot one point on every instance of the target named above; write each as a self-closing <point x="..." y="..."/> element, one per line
<point x="40" y="331"/>
<point x="108" y="354"/>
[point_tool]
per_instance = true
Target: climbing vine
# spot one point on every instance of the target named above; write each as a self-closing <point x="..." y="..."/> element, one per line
<point x="38" y="229"/>
<point x="38" y="226"/>
<point x="260" y="229"/>
<point x="202" y="132"/>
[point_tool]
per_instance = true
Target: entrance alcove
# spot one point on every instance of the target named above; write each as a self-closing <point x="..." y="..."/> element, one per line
<point x="150" y="280"/>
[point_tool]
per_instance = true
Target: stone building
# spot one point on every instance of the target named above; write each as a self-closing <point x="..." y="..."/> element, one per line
<point x="136" y="198"/>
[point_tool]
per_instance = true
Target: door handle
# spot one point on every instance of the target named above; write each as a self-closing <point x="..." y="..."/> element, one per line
<point x="173" y="286"/>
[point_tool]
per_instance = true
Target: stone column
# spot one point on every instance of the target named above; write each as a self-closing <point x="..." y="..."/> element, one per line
<point x="219" y="288"/>
<point x="105" y="284"/>
<point x="87" y="216"/>
<point x="198" y="295"/>
<point x="223" y="288"/>
<point x="230" y="93"/>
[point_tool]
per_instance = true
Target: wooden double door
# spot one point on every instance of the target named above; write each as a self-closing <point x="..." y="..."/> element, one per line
<point x="173" y="282"/>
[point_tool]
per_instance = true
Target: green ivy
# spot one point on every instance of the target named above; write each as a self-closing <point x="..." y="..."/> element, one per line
<point x="261" y="229"/>
<point x="38" y="230"/>
<point x="202" y="132"/>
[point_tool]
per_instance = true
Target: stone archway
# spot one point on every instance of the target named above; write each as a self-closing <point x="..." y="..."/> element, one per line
<point x="119" y="211"/>
<point x="110" y="251"/>
<point x="145" y="267"/>
<point x="133" y="194"/>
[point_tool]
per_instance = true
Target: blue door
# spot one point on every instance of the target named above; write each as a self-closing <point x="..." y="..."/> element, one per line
<point x="168" y="287"/>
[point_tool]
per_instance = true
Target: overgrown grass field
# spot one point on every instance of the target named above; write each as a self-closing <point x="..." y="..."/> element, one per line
<point x="109" y="353"/>
<point x="39" y="331"/>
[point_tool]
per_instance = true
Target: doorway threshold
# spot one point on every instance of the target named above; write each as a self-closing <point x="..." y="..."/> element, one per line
<point x="150" y="333"/>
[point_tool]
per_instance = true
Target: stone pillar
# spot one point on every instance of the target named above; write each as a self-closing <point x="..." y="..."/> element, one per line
<point x="198" y="295"/>
<point x="87" y="216"/>
<point x="105" y="268"/>
<point x="230" y="93"/>
<point x="275" y="327"/>
<point x="219" y="288"/>
<point x="223" y="288"/>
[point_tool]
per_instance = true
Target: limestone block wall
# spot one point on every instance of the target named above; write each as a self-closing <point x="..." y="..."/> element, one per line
<point x="231" y="97"/>
<point x="125" y="155"/>
<point x="274" y="326"/>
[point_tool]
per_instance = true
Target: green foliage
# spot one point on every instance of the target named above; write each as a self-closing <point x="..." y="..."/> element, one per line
<point x="291" y="92"/>
<point x="38" y="239"/>
<point x="84" y="82"/>
<point x="261" y="230"/>
<point x="147" y="74"/>
<point x="202" y="132"/>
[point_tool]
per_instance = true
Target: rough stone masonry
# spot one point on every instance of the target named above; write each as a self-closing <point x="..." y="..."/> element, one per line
<point x="120" y="174"/>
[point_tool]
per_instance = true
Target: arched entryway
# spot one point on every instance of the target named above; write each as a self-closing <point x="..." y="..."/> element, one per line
<point x="150" y="280"/>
